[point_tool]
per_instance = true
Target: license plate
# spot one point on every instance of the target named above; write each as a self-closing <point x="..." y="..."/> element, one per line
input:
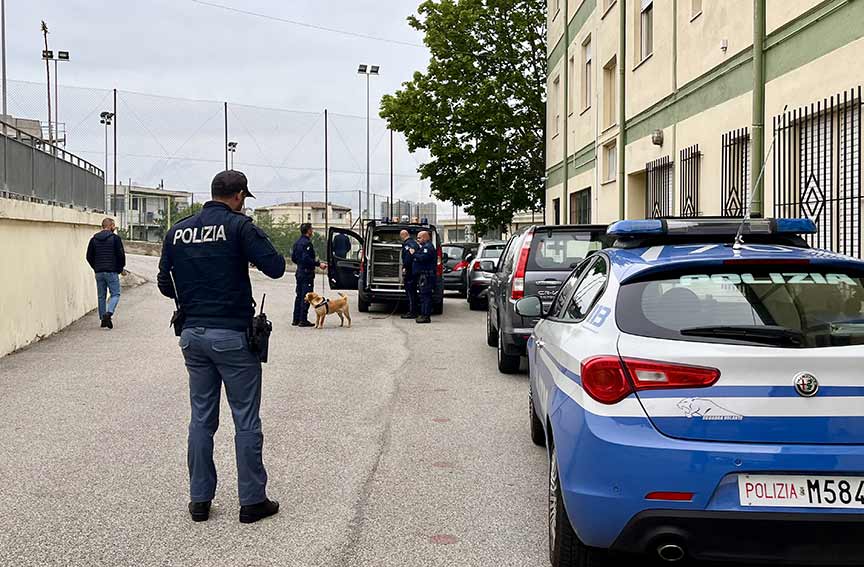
<point x="801" y="491"/>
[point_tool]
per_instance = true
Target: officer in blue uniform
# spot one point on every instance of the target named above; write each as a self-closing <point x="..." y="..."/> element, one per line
<point x="409" y="247"/>
<point x="424" y="266"/>
<point x="205" y="269"/>
<point x="304" y="257"/>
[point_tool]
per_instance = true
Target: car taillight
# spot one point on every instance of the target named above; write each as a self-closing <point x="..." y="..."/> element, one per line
<point x="440" y="269"/>
<point x="517" y="289"/>
<point x="477" y="265"/>
<point x="605" y="380"/>
<point x="460" y="266"/>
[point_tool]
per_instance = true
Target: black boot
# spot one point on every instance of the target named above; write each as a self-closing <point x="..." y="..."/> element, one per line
<point x="108" y="323"/>
<point x="104" y="321"/>
<point x="409" y="316"/>
<point x="424" y="319"/>
<point x="305" y="324"/>
<point x="255" y="512"/>
<point x="200" y="511"/>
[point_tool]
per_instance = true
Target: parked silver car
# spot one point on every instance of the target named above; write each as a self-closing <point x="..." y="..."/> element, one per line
<point x="477" y="278"/>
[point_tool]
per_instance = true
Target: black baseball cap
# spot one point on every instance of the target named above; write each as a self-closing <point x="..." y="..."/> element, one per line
<point x="227" y="183"/>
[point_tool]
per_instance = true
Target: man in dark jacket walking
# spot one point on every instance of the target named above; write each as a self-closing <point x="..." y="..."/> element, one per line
<point x="106" y="256"/>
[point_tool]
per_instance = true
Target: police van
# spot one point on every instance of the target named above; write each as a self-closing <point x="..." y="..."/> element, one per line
<point x="372" y="264"/>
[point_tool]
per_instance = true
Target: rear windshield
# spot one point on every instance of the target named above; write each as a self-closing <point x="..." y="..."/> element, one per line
<point x="792" y="306"/>
<point x="562" y="251"/>
<point x="493" y="251"/>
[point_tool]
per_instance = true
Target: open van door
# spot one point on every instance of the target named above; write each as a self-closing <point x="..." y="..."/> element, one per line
<point x="344" y="248"/>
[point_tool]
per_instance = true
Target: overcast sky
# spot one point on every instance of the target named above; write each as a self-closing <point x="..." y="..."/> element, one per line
<point x="181" y="48"/>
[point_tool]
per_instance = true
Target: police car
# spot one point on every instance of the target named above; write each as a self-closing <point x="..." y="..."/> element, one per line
<point x="703" y="400"/>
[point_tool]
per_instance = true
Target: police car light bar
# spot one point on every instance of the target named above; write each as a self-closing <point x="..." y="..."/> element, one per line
<point x="709" y="227"/>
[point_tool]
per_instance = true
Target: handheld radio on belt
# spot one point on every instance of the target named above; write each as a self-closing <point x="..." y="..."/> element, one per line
<point x="178" y="318"/>
<point x="259" y="334"/>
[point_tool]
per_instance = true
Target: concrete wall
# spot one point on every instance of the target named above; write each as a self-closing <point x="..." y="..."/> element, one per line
<point x="45" y="281"/>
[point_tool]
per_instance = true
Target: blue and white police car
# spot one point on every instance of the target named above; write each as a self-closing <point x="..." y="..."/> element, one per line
<point x="702" y="400"/>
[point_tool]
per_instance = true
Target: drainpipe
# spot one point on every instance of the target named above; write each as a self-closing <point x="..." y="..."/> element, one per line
<point x="566" y="90"/>
<point x="622" y="108"/>
<point x="758" y="134"/>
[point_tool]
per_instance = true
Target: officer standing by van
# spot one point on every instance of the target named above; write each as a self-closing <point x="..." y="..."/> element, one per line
<point x="205" y="269"/>
<point x="409" y="247"/>
<point x="424" y="265"/>
<point x="304" y="257"/>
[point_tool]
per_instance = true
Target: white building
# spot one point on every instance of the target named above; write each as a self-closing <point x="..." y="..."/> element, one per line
<point x="311" y="211"/>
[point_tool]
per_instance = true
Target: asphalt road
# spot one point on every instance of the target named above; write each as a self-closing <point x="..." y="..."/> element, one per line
<point x="390" y="443"/>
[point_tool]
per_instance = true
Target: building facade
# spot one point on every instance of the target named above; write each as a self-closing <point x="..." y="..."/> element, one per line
<point x="143" y="211"/>
<point x="687" y="90"/>
<point x="415" y="211"/>
<point x="315" y="212"/>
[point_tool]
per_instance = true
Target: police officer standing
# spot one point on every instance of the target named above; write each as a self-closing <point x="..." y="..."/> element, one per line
<point x="303" y="256"/>
<point x="205" y="268"/>
<point x="409" y="247"/>
<point x="424" y="265"/>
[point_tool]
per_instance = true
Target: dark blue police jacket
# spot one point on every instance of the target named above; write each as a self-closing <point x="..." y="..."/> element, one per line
<point x="304" y="256"/>
<point x="209" y="255"/>
<point x="425" y="259"/>
<point x="407" y="256"/>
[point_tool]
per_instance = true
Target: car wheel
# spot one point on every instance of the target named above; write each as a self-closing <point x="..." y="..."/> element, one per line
<point x="363" y="306"/>
<point x="565" y="549"/>
<point x="538" y="435"/>
<point x="491" y="332"/>
<point x="507" y="363"/>
<point x="475" y="303"/>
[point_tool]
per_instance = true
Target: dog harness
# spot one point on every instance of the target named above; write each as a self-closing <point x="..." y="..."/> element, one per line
<point x="326" y="305"/>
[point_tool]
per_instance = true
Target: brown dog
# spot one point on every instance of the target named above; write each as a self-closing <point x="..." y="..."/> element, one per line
<point x="324" y="307"/>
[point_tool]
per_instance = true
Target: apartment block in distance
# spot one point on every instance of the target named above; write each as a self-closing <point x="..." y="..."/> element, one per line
<point x="687" y="137"/>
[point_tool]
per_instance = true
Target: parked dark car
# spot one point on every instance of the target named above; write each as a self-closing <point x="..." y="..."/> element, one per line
<point x="480" y="270"/>
<point x="373" y="263"/>
<point x="536" y="261"/>
<point x="457" y="256"/>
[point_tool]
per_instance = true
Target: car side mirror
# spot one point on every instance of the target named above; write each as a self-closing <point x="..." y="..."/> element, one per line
<point x="530" y="306"/>
<point x="487" y="266"/>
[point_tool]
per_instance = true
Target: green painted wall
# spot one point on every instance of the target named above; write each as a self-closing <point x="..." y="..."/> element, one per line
<point x="827" y="27"/>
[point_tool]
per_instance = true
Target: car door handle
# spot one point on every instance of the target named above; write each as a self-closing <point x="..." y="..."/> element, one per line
<point x="548" y="283"/>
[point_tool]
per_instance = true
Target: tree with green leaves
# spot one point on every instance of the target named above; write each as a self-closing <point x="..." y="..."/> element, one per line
<point x="480" y="107"/>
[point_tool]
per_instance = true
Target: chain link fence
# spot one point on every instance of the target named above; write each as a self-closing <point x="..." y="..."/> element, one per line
<point x="180" y="144"/>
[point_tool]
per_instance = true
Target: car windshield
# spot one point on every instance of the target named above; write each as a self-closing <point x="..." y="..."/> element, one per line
<point x="562" y="251"/>
<point x="786" y="306"/>
<point x="492" y="251"/>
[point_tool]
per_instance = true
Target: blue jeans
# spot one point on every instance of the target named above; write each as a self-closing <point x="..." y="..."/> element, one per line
<point x="107" y="281"/>
<point x="214" y="357"/>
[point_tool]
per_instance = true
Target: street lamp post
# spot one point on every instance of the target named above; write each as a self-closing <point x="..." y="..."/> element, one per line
<point x="232" y="148"/>
<point x="369" y="71"/>
<point x="106" y="118"/>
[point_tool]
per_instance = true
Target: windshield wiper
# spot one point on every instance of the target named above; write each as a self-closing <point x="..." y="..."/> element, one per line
<point x="764" y="334"/>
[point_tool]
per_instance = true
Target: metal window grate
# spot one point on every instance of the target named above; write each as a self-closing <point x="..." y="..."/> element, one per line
<point x="735" y="175"/>
<point x="691" y="167"/>
<point x="658" y="196"/>
<point x="817" y="169"/>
